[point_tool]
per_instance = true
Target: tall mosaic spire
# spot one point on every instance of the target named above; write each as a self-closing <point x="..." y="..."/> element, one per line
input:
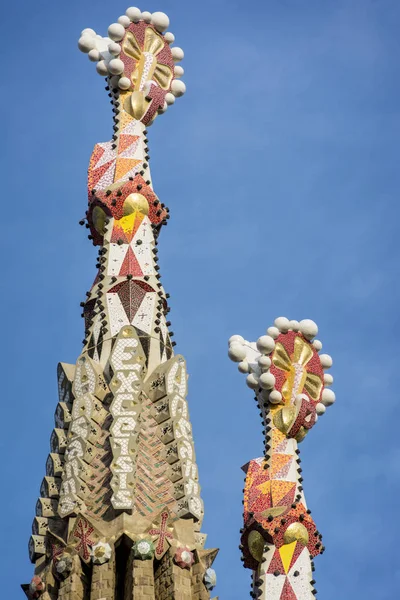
<point x="120" y="511"/>
<point x="279" y="537"/>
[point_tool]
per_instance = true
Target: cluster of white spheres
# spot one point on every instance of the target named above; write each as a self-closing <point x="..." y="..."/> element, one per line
<point x="259" y="375"/>
<point x="101" y="49"/>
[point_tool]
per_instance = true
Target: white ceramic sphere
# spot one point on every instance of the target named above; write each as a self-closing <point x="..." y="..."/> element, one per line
<point x="163" y="109"/>
<point x="282" y="323"/>
<point x="88" y="31"/>
<point x="134" y="14"/>
<point x="236" y="338"/>
<point x="236" y="352"/>
<point x="116" y="66"/>
<point x="94" y="55"/>
<point x="146" y="16"/>
<point x="101" y="68"/>
<point x="124" y="83"/>
<point x="116" y="32"/>
<point x="273" y="332"/>
<point x="267" y="381"/>
<point x="275" y="397"/>
<point x="124" y="21"/>
<point x="178" y="88"/>
<point x="320" y="408"/>
<point x="177" y="53"/>
<point x="264" y="362"/>
<point x="169" y="37"/>
<point x="169" y="98"/>
<point x="243" y="366"/>
<point x="308" y="328"/>
<point x="178" y="71"/>
<point x="328" y="397"/>
<point x="326" y="361"/>
<point x="265" y="344"/>
<point x="252" y="381"/>
<point x="114" y="49"/>
<point x="328" y="379"/>
<point x="317" y="345"/>
<point x="160" y="21"/>
<point x="294" y="325"/>
<point x="86" y="43"/>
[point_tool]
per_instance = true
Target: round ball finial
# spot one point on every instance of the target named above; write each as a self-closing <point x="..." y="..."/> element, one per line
<point x="86" y="43"/>
<point x="116" y="66"/>
<point x="160" y="21"/>
<point x="308" y="328"/>
<point x="169" y="98"/>
<point x="177" y="53"/>
<point x="124" y="20"/>
<point x="265" y="344"/>
<point x="134" y="14"/>
<point x="282" y="323"/>
<point x="146" y="16"/>
<point x="169" y="37"/>
<point x="236" y="352"/>
<point x="124" y="83"/>
<point x="178" y="88"/>
<point x="116" y="32"/>
<point x="101" y="68"/>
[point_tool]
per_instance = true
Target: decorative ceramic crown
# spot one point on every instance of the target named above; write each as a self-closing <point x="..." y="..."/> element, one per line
<point x="137" y="59"/>
<point x="287" y="373"/>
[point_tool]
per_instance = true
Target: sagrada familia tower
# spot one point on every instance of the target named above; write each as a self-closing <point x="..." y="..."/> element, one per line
<point x="120" y="511"/>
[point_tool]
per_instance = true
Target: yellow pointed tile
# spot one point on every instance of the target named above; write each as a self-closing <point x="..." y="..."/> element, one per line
<point x="286" y="553"/>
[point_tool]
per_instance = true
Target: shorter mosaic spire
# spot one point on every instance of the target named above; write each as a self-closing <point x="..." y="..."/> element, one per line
<point x="288" y="375"/>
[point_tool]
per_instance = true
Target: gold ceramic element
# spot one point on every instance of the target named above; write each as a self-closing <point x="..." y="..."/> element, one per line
<point x="127" y="331"/>
<point x="255" y="543"/>
<point x="301" y="356"/>
<point x="147" y="69"/>
<point x="296" y="532"/>
<point x="99" y="551"/>
<point x="275" y="511"/>
<point x="135" y="203"/>
<point x="284" y="418"/>
<point x="98" y="218"/>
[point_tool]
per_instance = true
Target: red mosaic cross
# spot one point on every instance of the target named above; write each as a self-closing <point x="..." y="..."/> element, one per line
<point x="56" y="551"/>
<point x="162" y="533"/>
<point x="82" y="532"/>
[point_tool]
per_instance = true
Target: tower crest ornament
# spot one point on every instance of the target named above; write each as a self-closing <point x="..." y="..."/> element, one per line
<point x="121" y="492"/>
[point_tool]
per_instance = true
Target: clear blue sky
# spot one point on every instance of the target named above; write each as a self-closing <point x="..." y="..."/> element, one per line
<point x="280" y="167"/>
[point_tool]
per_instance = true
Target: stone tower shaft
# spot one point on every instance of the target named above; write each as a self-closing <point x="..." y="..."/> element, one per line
<point x="120" y="511"/>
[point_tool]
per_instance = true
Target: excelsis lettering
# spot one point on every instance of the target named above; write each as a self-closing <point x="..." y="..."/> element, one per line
<point x="127" y="361"/>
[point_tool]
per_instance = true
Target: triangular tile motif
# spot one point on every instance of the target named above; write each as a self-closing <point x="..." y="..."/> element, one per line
<point x="125" y="141"/>
<point x="297" y="551"/>
<point x="131" y="294"/>
<point x="276" y="563"/>
<point x="280" y="465"/>
<point x="123" y="166"/>
<point x="280" y="490"/>
<point x="287" y="592"/>
<point x="286" y="553"/>
<point x="130" y="266"/>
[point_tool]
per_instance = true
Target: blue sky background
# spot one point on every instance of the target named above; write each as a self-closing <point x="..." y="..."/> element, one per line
<point x="280" y="167"/>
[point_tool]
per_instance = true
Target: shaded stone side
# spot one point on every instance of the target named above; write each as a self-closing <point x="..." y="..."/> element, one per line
<point x="77" y="585"/>
<point x="143" y="580"/>
<point x="103" y="581"/>
<point x="200" y="591"/>
<point x="172" y="582"/>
